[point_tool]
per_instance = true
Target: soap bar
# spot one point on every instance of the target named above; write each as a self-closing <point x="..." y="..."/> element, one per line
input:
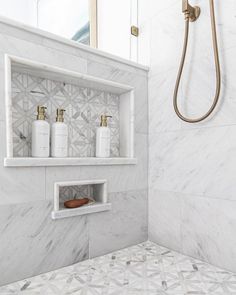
<point x="76" y="203"/>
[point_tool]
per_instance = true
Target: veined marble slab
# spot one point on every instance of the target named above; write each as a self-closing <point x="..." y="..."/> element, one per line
<point x="32" y="243"/>
<point x="191" y="166"/>
<point x="124" y="225"/>
<point x="197" y="161"/>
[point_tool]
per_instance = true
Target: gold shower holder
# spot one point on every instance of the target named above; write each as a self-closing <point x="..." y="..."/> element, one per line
<point x="191" y="12"/>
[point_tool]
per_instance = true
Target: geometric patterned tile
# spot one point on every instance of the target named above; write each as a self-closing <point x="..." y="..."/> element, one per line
<point x="75" y="192"/>
<point x="143" y="269"/>
<point x="83" y="106"/>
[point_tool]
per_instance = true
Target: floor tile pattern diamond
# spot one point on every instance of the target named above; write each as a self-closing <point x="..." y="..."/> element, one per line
<point x="144" y="269"/>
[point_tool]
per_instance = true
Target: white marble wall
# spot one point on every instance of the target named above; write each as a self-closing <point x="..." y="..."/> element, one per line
<point x="192" y="168"/>
<point x="33" y="243"/>
<point x="30" y="242"/>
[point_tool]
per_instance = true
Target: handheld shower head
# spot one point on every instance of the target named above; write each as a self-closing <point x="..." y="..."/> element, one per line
<point x="191" y="14"/>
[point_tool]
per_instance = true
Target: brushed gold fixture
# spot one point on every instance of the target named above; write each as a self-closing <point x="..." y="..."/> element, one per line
<point x="60" y="115"/>
<point x="134" y="31"/>
<point x="191" y="14"/>
<point x="93" y="23"/>
<point x="41" y="112"/>
<point x="104" y="120"/>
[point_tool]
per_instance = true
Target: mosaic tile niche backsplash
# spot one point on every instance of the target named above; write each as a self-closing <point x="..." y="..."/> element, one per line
<point x="75" y="192"/>
<point x="83" y="106"/>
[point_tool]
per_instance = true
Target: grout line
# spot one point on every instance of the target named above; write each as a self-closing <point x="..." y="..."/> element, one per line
<point x="114" y="67"/>
<point x="129" y="191"/>
<point x="191" y="129"/>
<point x="148" y="160"/>
<point x="188" y="195"/>
<point x="45" y="183"/>
<point x="89" y="243"/>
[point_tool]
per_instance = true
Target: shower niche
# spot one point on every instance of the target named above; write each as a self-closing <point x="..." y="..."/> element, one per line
<point x="94" y="190"/>
<point x="85" y="98"/>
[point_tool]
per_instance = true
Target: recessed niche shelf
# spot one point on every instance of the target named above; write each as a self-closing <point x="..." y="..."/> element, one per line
<point x="119" y="97"/>
<point x="63" y="191"/>
<point x="91" y="161"/>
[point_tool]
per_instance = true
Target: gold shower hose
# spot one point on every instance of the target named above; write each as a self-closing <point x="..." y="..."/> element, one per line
<point x="217" y="65"/>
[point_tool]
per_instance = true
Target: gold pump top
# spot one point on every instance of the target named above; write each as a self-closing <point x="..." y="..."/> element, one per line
<point x="104" y="120"/>
<point x="60" y="115"/>
<point x="41" y="113"/>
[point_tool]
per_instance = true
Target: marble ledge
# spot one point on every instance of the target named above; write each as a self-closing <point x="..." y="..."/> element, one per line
<point x="31" y="67"/>
<point x="98" y="207"/>
<point x="54" y="37"/>
<point x="42" y="162"/>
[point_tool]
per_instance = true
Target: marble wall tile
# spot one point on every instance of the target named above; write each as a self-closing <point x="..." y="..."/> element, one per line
<point x="153" y="8"/>
<point x="18" y="184"/>
<point x="19" y="44"/>
<point x="32" y="243"/>
<point x="6" y="28"/>
<point x="166" y="54"/>
<point x="161" y="114"/>
<point x="169" y="33"/>
<point x="196" y="226"/>
<point x="60" y="44"/>
<point x="21" y="184"/>
<point x="197" y="92"/>
<point x="123" y="65"/>
<point x="197" y="87"/>
<point x="125" y="224"/>
<point x="28" y="49"/>
<point x="102" y="69"/>
<point x="192" y="166"/>
<point x="199" y="161"/>
<point x="38" y="52"/>
<point x="195" y="98"/>
<point x="208" y="230"/>
<point x="165" y="218"/>
<point x="139" y="82"/>
<point x="120" y="177"/>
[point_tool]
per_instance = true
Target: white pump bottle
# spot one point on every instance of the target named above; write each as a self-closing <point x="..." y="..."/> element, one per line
<point x="103" y="139"/>
<point x="40" y="135"/>
<point x="59" y="140"/>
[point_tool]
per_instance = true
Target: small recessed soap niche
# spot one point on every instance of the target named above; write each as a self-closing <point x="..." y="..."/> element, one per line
<point x="95" y="190"/>
<point x="85" y="98"/>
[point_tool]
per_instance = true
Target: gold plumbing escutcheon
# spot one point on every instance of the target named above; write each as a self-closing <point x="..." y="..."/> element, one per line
<point x="190" y="12"/>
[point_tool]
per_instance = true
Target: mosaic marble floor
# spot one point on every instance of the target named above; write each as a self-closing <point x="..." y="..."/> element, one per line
<point x="143" y="269"/>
